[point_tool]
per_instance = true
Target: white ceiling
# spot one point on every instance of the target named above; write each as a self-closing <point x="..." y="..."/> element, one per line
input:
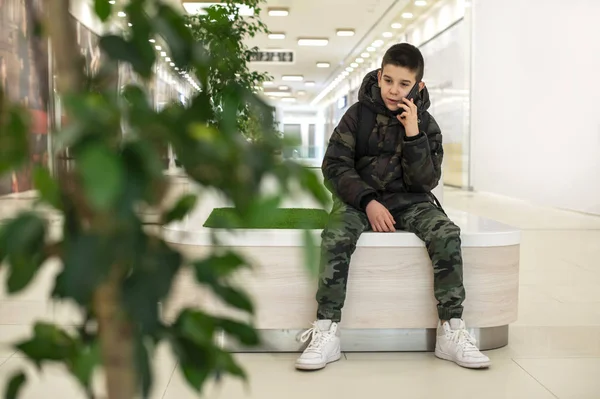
<point x="320" y="19"/>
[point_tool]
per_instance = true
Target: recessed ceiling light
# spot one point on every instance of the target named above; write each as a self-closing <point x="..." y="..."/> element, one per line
<point x="323" y="65"/>
<point x="277" y="93"/>
<point x="163" y="53"/>
<point x="176" y="68"/>
<point x="152" y="41"/>
<point x="278" y="12"/>
<point x="377" y="43"/>
<point x="349" y="69"/>
<point x="365" y="55"/>
<point x="292" y="78"/>
<point x="172" y="64"/>
<point x="301" y="93"/>
<point x="168" y="59"/>
<point x="407" y="15"/>
<point x="121" y="14"/>
<point x="371" y="49"/>
<point x="112" y="1"/>
<point x="396" y="25"/>
<point x="158" y="48"/>
<point x="345" y="32"/>
<point x="360" y="60"/>
<point x="420" y="3"/>
<point x="354" y="65"/>
<point x="284" y="88"/>
<point x="313" y="42"/>
<point x="195" y="7"/>
<point x="277" y="36"/>
<point x="345" y="73"/>
<point x="130" y="24"/>
<point x="268" y="84"/>
<point x="387" y="34"/>
<point x="310" y="84"/>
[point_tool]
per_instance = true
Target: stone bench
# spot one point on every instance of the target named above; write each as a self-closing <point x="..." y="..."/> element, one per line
<point x="390" y="304"/>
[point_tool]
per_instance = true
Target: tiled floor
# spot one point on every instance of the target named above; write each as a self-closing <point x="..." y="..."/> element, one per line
<point x="554" y="349"/>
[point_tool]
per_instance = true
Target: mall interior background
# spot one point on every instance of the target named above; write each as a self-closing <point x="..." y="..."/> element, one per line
<point x="514" y="86"/>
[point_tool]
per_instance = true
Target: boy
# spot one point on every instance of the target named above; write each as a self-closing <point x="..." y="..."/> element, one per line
<point x="388" y="187"/>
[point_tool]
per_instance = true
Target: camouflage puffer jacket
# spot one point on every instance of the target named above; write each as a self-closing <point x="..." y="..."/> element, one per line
<point x="400" y="170"/>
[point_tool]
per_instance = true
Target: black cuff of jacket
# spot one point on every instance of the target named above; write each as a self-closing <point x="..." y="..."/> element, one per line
<point x="413" y="138"/>
<point x="366" y="199"/>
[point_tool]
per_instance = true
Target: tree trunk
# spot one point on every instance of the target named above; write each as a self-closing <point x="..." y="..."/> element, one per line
<point x="116" y="335"/>
<point x="116" y="339"/>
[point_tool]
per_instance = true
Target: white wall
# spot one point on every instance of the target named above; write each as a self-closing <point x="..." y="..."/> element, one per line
<point x="536" y="101"/>
<point x="440" y="17"/>
<point x="84" y="11"/>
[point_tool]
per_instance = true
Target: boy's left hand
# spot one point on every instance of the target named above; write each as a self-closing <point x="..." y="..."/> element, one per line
<point x="409" y="117"/>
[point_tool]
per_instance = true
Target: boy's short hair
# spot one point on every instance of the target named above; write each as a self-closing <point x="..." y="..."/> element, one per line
<point x="405" y="55"/>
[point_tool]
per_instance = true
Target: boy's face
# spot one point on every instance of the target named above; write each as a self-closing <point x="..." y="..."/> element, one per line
<point x="395" y="83"/>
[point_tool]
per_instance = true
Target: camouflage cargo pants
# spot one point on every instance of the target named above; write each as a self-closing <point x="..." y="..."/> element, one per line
<point x="427" y="221"/>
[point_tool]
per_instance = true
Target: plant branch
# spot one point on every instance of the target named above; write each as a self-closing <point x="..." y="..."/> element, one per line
<point x="116" y="338"/>
<point x="68" y="61"/>
<point x="114" y="331"/>
<point x="39" y="48"/>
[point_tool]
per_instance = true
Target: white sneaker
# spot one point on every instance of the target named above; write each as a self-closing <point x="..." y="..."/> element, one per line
<point x="324" y="346"/>
<point x="454" y="343"/>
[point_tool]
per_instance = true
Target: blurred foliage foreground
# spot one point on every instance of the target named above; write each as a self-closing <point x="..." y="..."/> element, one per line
<point x="110" y="267"/>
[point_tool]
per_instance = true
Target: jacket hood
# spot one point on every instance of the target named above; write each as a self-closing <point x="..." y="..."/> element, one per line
<point x="370" y="95"/>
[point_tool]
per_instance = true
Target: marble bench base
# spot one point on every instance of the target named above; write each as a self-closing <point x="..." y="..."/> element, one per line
<point x="372" y="340"/>
<point x="390" y="304"/>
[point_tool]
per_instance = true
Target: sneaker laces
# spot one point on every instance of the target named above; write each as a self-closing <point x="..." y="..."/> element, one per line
<point x="464" y="340"/>
<point x="317" y="336"/>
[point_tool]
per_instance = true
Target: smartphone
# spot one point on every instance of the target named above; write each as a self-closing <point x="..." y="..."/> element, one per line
<point x="412" y="95"/>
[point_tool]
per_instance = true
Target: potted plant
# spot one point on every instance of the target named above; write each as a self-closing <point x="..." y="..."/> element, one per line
<point x="112" y="269"/>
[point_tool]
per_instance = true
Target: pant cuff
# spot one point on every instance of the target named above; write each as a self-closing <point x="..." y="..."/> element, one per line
<point x="329" y="314"/>
<point x="450" y="313"/>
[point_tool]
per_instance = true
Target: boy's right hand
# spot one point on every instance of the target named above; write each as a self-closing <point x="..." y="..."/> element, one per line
<point x="381" y="219"/>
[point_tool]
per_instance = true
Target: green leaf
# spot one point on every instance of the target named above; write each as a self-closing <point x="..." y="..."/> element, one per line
<point x="14" y="131"/>
<point x="140" y="34"/>
<point x="196" y="375"/>
<point x="262" y="209"/>
<point x="150" y="282"/>
<point x="139" y="112"/>
<point x="144" y="369"/>
<point x="196" y="326"/>
<point x="219" y="266"/>
<point x="48" y="343"/>
<point x="309" y="180"/>
<point x="14" y="386"/>
<point x="84" y="363"/>
<point x="180" y="210"/>
<point x="23" y="239"/>
<point x="3" y="243"/>
<point x="196" y="361"/>
<point x="47" y="187"/>
<point x="103" y="9"/>
<point x="234" y="297"/>
<point x="88" y="258"/>
<point x="225" y="362"/>
<point x="145" y="179"/>
<point x="244" y="333"/>
<point x="119" y="49"/>
<point x="22" y="271"/>
<point x="102" y="174"/>
<point x="171" y="26"/>
<point x="212" y="269"/>
<point x="311" y="253"/>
